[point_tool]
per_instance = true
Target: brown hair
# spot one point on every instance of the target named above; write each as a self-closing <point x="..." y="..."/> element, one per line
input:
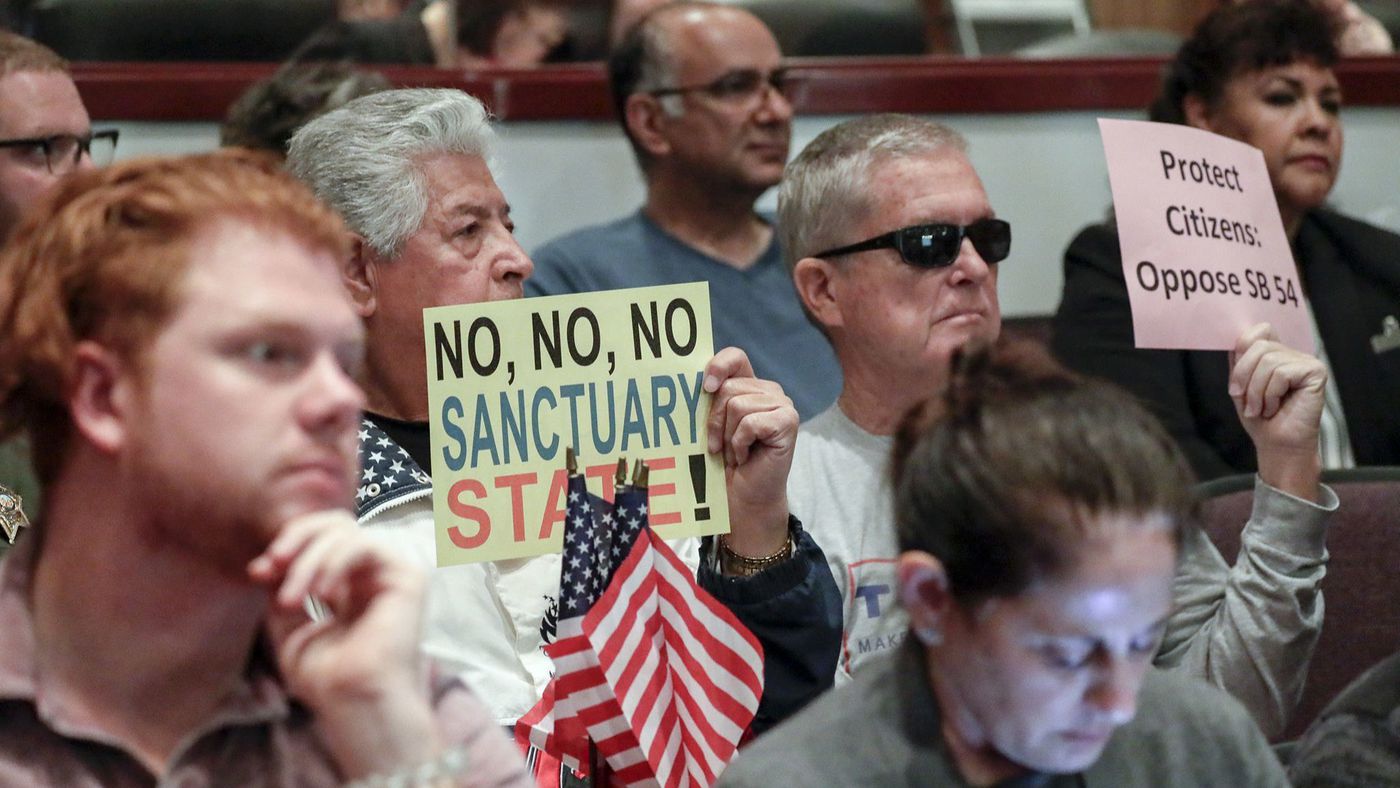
<point x="270" y="111"/>
<point x="102" y="258"/>
<point x="480" y="20"/>
<point x="1007" y="474"/>
<point x="1241" y="37"/>
<point x="18" y="53"/>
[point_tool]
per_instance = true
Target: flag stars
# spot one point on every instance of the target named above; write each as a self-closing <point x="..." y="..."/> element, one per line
<point x="376" y="457"/>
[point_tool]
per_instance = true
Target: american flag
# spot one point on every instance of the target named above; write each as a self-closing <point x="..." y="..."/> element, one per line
<point x="663" y="677"/>
<point x="597" y="535"/>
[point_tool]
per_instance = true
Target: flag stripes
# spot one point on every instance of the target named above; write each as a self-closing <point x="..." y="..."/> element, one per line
<point x="648" y="666"/>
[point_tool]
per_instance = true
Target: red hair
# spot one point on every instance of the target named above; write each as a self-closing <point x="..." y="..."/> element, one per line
<point x="102" y="258"/>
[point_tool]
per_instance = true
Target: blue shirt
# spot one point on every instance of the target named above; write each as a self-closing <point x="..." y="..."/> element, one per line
<point x="755" y="309"/>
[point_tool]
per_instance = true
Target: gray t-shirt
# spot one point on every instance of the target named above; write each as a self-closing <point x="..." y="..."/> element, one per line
<point x="882" y="729"/>
<point x="755" y="309"/>
<point x="1355" y="742"/>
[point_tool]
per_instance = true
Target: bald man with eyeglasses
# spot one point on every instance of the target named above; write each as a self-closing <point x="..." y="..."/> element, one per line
<point x="704" y="99"/>
<point x="45" y="133"/>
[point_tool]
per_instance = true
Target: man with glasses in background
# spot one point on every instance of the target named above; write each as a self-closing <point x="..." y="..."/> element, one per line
<point x="701" y="93"/>
<point x="45" y="133"/>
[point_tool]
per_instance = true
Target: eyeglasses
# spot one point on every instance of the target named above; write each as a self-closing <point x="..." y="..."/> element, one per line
<point x="746" y="83"/>
<point x="62" y="152"/>
<point x="937" y="245"/>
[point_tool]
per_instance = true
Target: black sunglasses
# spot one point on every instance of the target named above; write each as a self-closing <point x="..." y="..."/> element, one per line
<point x="937" y="245"/>
<point x="743" y="83"/>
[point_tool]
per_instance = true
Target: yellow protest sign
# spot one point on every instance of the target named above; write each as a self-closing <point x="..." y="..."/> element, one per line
<point x="612" y="374"/>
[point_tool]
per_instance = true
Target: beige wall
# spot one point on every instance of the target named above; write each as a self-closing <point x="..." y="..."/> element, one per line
<point x="1044" y="172"/>
<point x="1178" y="16"/>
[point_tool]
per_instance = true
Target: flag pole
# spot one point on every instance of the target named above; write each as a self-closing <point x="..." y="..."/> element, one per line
<point x="601" y="774"/>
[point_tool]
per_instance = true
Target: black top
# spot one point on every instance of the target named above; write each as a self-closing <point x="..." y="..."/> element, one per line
<point x="1350" y="271"/>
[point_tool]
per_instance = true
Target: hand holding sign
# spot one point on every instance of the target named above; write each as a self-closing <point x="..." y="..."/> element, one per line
<point x="1204" y="251"/>
<point x="754" y="424"/>
<point x="511" y="384"/>
<point x="1278" y="394"/>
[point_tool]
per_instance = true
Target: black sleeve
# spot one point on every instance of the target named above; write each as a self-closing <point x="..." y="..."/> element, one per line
<point x="794" y="610"/>
<point x="1093" y="335"/>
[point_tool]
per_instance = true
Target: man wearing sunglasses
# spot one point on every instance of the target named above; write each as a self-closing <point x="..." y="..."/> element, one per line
<point x="44" y="134"/>
<point x="704" y="99"/>
<point x="894" y="250"/>
<point x="873" y="216"/>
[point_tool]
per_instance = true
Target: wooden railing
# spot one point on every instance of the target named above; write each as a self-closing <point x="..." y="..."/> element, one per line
<point x="826" y="86"/>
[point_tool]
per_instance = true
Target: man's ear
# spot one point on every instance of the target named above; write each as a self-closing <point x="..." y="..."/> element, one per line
<point x="100" y="397"/>
<point x="1196" y="112"/>
<point x="646" y="120"/>
<point x="816" y="283"/>
<point x="360" y="275"/>
<point x="925" y="594"/>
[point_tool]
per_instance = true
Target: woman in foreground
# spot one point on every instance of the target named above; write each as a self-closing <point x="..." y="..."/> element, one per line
<point x="1040" y="517"/>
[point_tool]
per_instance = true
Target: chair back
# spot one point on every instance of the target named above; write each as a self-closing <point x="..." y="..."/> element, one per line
<point x="177" y="30"/>
<point x="967" y="14"/>
<point x="1361" y="624"/>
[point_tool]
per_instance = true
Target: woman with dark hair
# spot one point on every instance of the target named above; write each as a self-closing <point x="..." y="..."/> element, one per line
<point x="1259" y="72"/>
<point x="1040" y="519"/>
<point x="509" y="33"/>
<point x="1358" y="33"/>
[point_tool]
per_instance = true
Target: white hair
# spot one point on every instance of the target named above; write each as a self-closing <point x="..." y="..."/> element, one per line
<point x="364" y="158"/>
<point x="825" y="190"/>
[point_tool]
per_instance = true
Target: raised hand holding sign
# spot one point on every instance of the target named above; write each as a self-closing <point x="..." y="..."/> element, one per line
<point x="1204" y="251"/>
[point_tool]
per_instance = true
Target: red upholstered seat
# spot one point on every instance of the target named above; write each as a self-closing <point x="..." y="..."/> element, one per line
<point x="1361" y="591"/>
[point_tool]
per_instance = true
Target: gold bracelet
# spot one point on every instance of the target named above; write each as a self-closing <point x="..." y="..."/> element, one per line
<point x="736" y="565"/>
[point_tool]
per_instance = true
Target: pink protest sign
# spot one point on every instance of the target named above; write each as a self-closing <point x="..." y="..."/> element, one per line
<point x="1204" y="251"/>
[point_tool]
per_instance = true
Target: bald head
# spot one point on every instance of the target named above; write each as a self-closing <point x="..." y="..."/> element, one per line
<point x="644" y="58"/>
<point x="693" y="84"/>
